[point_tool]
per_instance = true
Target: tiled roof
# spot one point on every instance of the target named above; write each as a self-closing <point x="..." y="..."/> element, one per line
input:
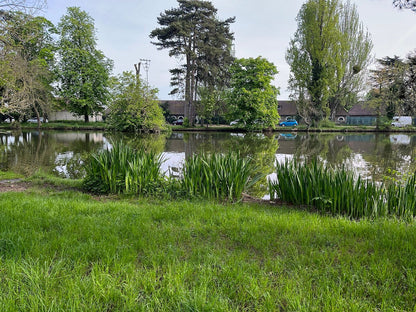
<point x="361" y="109"/>
<point x="287" y="108"/>
<point x="175" y="107"/>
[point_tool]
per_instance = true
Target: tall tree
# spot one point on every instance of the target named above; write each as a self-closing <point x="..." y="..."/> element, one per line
<point x="83" y="70"/>
<point x="327" y="57"/>
<point x="252" y="96"/>
<point x="388" y="92"/>
<point x="26" y="63"/>
<point x="410" y="80"/>
<point x="352" y="60"/>
<point x="405" y="4"/>
<point x="194" y="33"/>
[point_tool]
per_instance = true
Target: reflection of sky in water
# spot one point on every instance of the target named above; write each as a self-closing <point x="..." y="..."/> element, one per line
<point x="173" y="163"/>
<point x="61" y="161"/>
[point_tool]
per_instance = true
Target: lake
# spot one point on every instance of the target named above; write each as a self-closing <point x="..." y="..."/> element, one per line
<point x="372" y="155"/>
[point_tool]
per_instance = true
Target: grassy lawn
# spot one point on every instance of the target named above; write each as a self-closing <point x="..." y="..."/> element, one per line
<point x="67" y="251"/>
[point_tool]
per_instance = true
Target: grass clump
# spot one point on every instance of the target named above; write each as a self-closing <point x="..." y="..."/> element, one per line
<point x="339" y="192"/>
<point x="217" y="176"/>
<point x="122" y="169"/>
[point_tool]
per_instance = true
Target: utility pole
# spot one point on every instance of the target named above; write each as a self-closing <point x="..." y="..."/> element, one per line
<point x="146" y="64"/>
<point x="137" y="67"/>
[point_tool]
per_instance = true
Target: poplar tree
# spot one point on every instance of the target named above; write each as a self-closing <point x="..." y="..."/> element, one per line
<point x="193" y="32"/>
<point x="328" y="56"/>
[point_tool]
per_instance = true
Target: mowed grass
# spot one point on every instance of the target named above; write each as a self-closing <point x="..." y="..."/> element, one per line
<point x="67" y="251"/>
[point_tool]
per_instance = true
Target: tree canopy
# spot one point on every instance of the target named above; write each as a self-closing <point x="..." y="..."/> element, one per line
<point x="134" y="106"/>
<point x="394" y="86"/>
<point x="328" y="56"/>
<point x="252" y="96"/>
<point x="193" y="32"/>
<point x="83" y="70"/>
<point x="26" y="64"/>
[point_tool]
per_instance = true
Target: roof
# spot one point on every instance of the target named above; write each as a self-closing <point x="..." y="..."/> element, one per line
<point x="175" y="107"/>
<point x="341" y="111"/>
<point x="287" y="108"/>
<point x="362" y="109"/>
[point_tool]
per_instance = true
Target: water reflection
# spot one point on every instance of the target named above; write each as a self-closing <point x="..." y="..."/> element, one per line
<point x="63" y="153"/>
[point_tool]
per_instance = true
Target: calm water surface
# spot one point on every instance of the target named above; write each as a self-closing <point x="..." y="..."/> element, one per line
<point x="368" y="154"/>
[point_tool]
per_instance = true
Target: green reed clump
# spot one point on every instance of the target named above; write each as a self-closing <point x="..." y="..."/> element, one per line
<point x="122" y="169"/>
<point x="217" y="176"/>
<point x="334" y="191"/>
<point x="401" y="197"/>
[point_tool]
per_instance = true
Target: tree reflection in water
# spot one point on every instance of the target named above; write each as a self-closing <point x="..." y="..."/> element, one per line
<point x="63" y="153"/>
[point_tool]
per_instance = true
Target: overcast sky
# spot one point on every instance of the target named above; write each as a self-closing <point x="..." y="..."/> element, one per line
<point x="262" y="28"/>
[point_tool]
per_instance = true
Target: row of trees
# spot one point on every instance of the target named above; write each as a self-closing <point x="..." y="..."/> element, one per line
<point x="328" y="56"/>
<point x="36" y="69"/>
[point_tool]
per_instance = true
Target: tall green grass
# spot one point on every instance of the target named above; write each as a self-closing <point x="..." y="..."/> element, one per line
<point x="217" y="176"/>
<point x="339" y="192"/>
<point x="122" y="169"/>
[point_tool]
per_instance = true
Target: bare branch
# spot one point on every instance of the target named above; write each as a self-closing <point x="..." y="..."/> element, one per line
<point x="405" y="4"/>
<point x="28" y="6"/>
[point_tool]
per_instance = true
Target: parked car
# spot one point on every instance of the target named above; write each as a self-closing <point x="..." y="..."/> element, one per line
<point x="288" y="123"/>
<point x="401" y="121"/>
<point x="178" y="122"/>
<point x="35" y="120"/>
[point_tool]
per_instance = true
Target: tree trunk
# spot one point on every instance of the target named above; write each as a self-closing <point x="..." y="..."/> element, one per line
<point x="86" y="118"/>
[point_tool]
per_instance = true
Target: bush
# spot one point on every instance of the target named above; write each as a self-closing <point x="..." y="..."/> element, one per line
<point x="326" y="123"/>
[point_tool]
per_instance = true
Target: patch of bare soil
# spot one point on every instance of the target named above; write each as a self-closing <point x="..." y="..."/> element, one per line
<point x="15" y="185"/>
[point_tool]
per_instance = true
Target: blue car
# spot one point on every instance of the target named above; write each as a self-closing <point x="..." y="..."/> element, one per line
<point x="289" y="123"/>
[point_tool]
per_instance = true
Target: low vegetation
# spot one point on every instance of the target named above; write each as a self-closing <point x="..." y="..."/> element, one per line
<point x="221" y="177"/>
<point x="122" y="170"/>
<point x="339" y="192"/>
<point x="67" y="251"/>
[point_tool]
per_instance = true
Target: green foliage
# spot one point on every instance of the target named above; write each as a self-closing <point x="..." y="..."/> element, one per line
<point x="340" y="193"/>
<point x="127" y="171"/>
<point x="211" y="103"/>
<point x="123" y="170"/>
<point x="66" y="251"/>
<point x="252" y="96"/>
<point x="186" y="123"/>
<point x="328" y="56"/>
<point x="193" y="33"/>
<point x="394" y="86"/>
<point x="83" y="70"/>
<point x="134" y="106"/>
<point x="221" y="177"/>
<point x="26" y="64"/>
<point x="326" y="123"/>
